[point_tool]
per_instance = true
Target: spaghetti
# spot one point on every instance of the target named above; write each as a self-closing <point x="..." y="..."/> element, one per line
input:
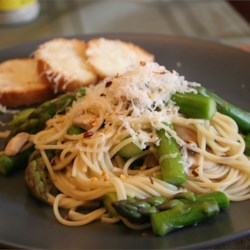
<point x="130" y="108"/>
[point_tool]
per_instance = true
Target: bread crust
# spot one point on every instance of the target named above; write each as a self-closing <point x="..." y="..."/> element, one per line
<point x="110" y="57"/>
<point x="17" y="99"/>
<point x="62" y="65"/>
<point x="56" y="81"/>
<point x="20" y="84"/>
<point x="58" y="73"/>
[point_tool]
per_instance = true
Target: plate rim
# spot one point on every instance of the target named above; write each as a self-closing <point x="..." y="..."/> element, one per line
<point x="208" y="243"/>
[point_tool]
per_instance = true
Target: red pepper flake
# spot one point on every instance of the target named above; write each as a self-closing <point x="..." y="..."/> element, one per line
<point x="194" y="172"/>
<point x="66" y="216"/>
<point x="87" y="134"/>
<point x="151" y="180"/>
<point x="123" y="98"/>
<point x="108" y="84"/>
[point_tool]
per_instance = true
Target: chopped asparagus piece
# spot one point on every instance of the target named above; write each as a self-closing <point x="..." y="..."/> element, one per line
<point x="130" y="150"/>
<point x="220" y="197"/>
<point x="241" y="117"/>
<point x="195" y="105"/>
<point x="74" y="130"/>
<point x="10" y="163"/>
<point x="108" y="199"/>
<point x="170" y="160"/>
<point x="183" y="215"/>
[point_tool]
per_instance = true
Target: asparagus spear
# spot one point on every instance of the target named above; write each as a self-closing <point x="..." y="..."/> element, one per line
<point x="171" y="166"/>
<point x="32" y="121"/>
<point x="191" y="105"/>
<point x="36" y="120"/>
<point x="168" y="214"/>
<point x="21" y="116"/>
<point x="37" y="179"/>
<point x="241" y="117"/>
<point x="195" y="105"/>
<point x="183" y="215"/>
<point x="219" y="197"/>
<point x="10" y="163"/>
<point x="138" y="210"/>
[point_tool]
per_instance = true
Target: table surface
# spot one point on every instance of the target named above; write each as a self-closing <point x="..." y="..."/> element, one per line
<point x="204" y="19"/>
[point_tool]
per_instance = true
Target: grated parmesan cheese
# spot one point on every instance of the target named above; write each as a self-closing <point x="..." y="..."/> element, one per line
<point x="139" y="100"/>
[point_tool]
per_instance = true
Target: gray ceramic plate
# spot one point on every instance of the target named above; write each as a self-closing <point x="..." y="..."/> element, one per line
<point x="30" y="224"/>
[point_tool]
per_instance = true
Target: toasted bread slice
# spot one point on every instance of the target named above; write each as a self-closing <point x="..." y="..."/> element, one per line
<point x="111" y="57"/>
<point x="62" y="63"/>
<point x="20" y="83"/>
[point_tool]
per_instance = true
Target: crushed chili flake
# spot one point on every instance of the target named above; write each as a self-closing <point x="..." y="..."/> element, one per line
<point x="123" y="98"/>
<point x="66" y="216"/>
<point x="128" y="104"/>
<point x="151" y="180"/>
<point x="194" y="172"/>
<point x="109" y="83"/>
<point x="87" y="134"/>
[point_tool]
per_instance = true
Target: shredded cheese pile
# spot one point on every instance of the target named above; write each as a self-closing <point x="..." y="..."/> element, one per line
<point x="140" y="99"/>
